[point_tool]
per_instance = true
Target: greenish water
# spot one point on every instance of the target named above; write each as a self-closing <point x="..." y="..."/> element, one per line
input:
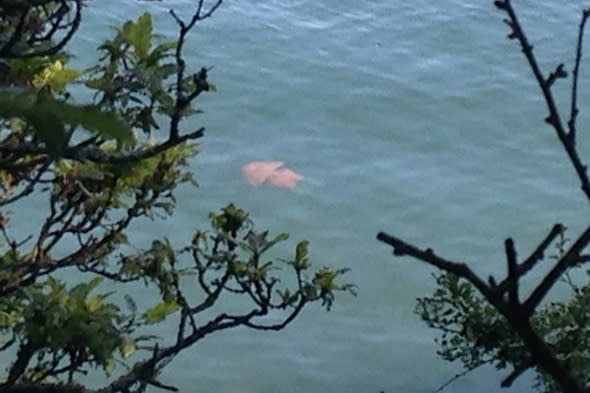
<point x="418" y="118"/>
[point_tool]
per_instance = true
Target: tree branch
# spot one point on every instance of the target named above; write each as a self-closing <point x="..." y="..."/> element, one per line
<point x="576" y="72"/>
<point x="95" y="154"/>
<point x="554" y="118"/>
<point x="182" y="101"/>
<point x="514" y="314"/>
<point x="513" y="376"/>
<point x="536" y="256"/>
<point x="513" y="277"/>
<point x="570" y="259"/>
<point x="401" y="248"/>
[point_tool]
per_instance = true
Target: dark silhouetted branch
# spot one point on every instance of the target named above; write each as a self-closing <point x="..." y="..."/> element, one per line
<point x="95" y="154"/>
<point x="559" y="73"/>
<point x="576" y="73"/>
<point x="536" y="256"/>
<point x="554" y="119"/>
<point x="513" y="277"/>
<point x="513" y="376"/>
<point x="570" y="259"/>
<point x="182" y="99"/>
<point x="401" y="248"/>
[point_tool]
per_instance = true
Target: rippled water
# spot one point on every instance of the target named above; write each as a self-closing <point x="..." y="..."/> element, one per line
<point x="418" y="118"/>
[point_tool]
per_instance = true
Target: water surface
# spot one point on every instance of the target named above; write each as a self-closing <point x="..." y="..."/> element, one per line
<point x="419" y="118"/>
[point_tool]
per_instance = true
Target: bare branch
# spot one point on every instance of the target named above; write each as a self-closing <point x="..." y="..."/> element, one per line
<point x="401" y="248"/>
<point x="570" y="259"/>
<point x="559" y="73"/>
<point x="182" y="100"/>
<point x="18" y="368"/>
<point x="554" y="119"/>
<point x="517" y="372"/>
<point x="513" y="277"/>
<point x="576" y="73"/>
<point x="535" y="256"/>
<point x="32" y="183"/>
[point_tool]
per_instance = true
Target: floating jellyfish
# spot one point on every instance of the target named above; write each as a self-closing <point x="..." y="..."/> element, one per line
<point x="272" y="172"/>
<point x="257" y="172"/>
<point x="284" y="178"/>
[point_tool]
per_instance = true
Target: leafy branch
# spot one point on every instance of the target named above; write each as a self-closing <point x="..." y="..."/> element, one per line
<point x="102" y="168"/>
<point x="454" y="308"/>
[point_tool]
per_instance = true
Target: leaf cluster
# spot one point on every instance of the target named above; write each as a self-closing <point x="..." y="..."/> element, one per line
<point x="475" y="333"/>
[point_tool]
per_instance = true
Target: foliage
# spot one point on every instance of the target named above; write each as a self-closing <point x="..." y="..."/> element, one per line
<point x="475" y="333"/>
<point x="491" y="322"/>
<point x="96" y="169"/>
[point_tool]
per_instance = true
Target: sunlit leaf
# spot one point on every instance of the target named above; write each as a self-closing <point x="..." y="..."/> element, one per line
<point x="160" y="311"/>
<point x="94" y="303"/>
<point x="83" y="289"/>
<point x="139" y="34"/>
<point x="55" y="76"/>
<point x="127" y="347"/>
<point x="110" y="366"/>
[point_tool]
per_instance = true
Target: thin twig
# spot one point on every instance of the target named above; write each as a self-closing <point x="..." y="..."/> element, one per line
<point x="460" y="375"/>
<point x="576" y="73"/>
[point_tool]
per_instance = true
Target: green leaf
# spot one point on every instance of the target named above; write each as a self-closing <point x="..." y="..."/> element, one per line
<point x="49" y="116"/>
<point x="91" y="171"/>
<point x="91" y="118"/>
<point x="99" y="83"/>
<point x="84" y="289"/>
<point x="301" y="250"/>
<point x="256" y="240"/>
<point x="165" y="70"/>
<point x="55" y="286"/>
<point x="279" y="238"/>
<point x="301" y="261"/>
<point x="139" y="34"/>
<point x="109" y="366"/>
<point x="51" y="131"/>
<point x="160" y="51"/>
<point x="239" y="268"/>
<point x="64" y="77"/>
<point x="36" y="108"/>
<point x="94" y="303"/>
<point x="127" y="347"/>
<point x="160" y="311"/>
<point x="55" y="76"/>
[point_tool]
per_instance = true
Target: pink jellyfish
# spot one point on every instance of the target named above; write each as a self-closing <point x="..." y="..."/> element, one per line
<point x="284" y="178"/>
<point x="273" y="172"/>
